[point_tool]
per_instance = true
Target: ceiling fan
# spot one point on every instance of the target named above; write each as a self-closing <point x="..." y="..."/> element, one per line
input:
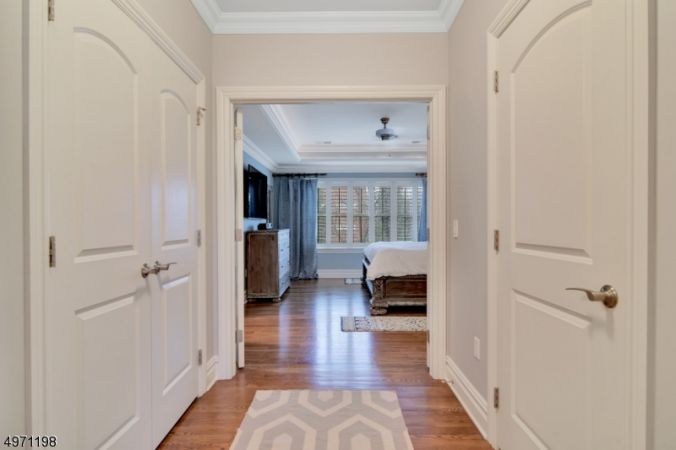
<point x="385" y="134"/>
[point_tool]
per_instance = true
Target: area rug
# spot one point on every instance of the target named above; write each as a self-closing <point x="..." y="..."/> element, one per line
<point x="323" y="420"/>
<point x="383" y="323"/>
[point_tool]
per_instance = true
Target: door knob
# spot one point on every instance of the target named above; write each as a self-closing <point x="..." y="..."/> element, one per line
<point x="159" y="266"/>
<point x="147" y="270"/>
<point x="607" y="295"/>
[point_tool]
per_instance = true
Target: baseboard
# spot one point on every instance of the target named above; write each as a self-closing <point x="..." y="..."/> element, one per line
<point x="470" y="398"/>
<point x="339" y="273"/>
<point x="212" y="365"/>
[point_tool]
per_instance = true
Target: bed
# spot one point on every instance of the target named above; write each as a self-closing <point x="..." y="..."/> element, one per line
<point x="395" y="273"/>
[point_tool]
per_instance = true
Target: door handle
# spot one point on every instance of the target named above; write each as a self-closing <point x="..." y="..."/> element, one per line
<point x="160" y="267"/>
<point x="607" y="295"/>
<point x="147" y="270"/>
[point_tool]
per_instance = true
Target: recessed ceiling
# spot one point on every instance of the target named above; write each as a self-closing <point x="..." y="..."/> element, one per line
<point x="327" y="16"/>
<point x="337" y="137"/>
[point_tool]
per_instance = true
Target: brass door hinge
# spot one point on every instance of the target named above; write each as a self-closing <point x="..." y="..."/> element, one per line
<point x="238" y="134"/>
<point x="50" y="10"/>
<point x="496" y="398"/>
<point x="199" y="357"/>
<point x="52" y="251"/>
<point x="496" y="240"/>
<point x="199" y="238"/>
<point x="496" y="81"/>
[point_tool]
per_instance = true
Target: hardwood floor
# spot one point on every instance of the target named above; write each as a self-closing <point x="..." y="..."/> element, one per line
<point x="298" y="344"/>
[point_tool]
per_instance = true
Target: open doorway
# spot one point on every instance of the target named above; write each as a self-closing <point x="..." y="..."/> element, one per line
<point x="334" y="224"/>
<point x="339" y="178"/>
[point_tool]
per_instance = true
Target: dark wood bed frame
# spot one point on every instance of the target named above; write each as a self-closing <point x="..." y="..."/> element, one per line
<point x="394" y="291"/>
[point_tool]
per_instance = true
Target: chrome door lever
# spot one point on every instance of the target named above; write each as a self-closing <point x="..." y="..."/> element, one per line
<point x="160" y="267"/>
<point x="608" y="295"/>
<point x="147" y="270"/>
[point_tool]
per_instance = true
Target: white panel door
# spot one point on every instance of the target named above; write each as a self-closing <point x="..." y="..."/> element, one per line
<point x="174" y="242"/>
<point x="239" y="244"/>
<point x="563" y="159"/>
<point x="97" y="307"/>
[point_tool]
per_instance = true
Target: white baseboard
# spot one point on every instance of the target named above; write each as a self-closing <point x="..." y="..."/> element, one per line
<point x="339" y="273"/>
<point x="471" y="399"/>
<point x="212" y="365"/>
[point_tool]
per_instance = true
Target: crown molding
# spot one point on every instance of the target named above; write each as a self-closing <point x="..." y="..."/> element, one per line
<point x="327" y="22"/>
<point x="362" y="149"/>
<point x="251" y="149"/>
<point x="281" y="125"/>
<point x="354" y="167"/>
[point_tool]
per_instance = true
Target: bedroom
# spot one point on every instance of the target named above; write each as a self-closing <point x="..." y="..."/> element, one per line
<point x="350" y="188"/>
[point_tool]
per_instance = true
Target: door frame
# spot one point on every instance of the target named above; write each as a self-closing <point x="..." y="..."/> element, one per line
<point x="640" y="137"/>
<point x="36" y="241"/>
<point x="227" y="98"/>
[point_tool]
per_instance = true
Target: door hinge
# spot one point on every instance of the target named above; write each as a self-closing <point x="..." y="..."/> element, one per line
<point x="50" y="10"/>
<point x="496" y="398"/>
<point x="496" y="81"/>
<point x="239" y="235"/>
<point x="496" y="240"/>
<point x="238" y="134"/>
<point x="199" y="238"/>
<point x="199" y="357"/>
<point x="428" y="336"/>
<point x="52" y="251"/>
<point x="200" y="114"/>
<point x="239" y="336"/>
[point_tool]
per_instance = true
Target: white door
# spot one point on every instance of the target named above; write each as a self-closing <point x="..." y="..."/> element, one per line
<point x="563" y="162"/>
<point x="239" y="217"/>
<point x="103" y="157"/>
<point x="174" y="243"/>
<point x="98" y="315"/>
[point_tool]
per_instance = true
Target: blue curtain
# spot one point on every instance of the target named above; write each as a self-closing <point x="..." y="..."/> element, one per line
<point x="422" y="222"/>
<point x="295" y="208"/>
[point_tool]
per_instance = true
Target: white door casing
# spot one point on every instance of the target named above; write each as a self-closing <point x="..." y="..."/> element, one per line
<point x="563" y="158"/>
<point x="239" y="239"/>
<point x="107" y="172"/>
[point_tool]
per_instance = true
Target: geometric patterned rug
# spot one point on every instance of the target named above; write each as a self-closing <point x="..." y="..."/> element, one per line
<point x="383" y="323"/>
<point x="323" y="420"/>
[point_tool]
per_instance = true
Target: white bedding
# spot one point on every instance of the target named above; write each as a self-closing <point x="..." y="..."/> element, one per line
<point x="396" y="259"/>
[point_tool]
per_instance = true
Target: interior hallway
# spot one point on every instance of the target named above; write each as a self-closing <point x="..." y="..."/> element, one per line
<point x="298" y="344"/>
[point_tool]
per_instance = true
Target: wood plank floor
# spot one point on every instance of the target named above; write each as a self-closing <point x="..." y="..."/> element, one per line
<point x="298" y="344"/>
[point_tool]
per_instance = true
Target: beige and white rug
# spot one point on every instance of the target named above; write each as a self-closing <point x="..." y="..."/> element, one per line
<point x="383" y="323"/>
<point x="323" y="420"/>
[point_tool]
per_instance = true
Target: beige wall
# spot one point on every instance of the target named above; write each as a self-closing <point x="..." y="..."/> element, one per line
<point x="186" y="28"/>
<point x="467" y="191"/>
<point x="330" y="59"/>
<point x="664" y="337"/>
<point x="12" y="392"/>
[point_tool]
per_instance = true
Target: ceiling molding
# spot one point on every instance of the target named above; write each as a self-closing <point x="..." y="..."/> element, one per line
<point x="251" y="149"/>
<point x="281" y="125"/>
<point x="353" y="167"/>
<point x="327" y="22"/>
<point x="365" y="149"/>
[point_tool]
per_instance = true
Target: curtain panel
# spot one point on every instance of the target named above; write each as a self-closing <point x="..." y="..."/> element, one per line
<point x="295" y="208"/>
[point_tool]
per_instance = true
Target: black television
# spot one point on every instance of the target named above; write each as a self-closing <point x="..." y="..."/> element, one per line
<point x="255" y="194"/>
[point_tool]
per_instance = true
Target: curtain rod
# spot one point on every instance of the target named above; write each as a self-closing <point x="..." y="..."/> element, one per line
<point x="299" y="174"/>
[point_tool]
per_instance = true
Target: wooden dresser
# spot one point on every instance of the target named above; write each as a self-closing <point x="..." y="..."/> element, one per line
<point x="267" y="264"/>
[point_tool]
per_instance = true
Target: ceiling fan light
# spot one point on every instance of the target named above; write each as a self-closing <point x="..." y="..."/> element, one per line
<point x="385" y="134"/>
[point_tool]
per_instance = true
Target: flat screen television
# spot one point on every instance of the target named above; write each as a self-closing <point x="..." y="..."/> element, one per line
<point x="255" y="194"/>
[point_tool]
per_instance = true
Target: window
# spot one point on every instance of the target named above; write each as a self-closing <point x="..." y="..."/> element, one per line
<point x="339" y="214"/>
<point x="321" y="215"/>
<point x="353" y="213"/>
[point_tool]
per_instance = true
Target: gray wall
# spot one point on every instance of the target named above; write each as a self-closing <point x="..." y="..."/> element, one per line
<point x="663" y="359"/>
<point x="467" y="129"/>
<point x="12" y="386"/>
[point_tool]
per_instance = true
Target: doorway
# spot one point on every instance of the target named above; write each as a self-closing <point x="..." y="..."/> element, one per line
<point x="230" y="165"/>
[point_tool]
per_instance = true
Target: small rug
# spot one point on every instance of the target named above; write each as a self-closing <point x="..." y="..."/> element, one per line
<point x="323" y="420"/>
<point x="383" y="323"/>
